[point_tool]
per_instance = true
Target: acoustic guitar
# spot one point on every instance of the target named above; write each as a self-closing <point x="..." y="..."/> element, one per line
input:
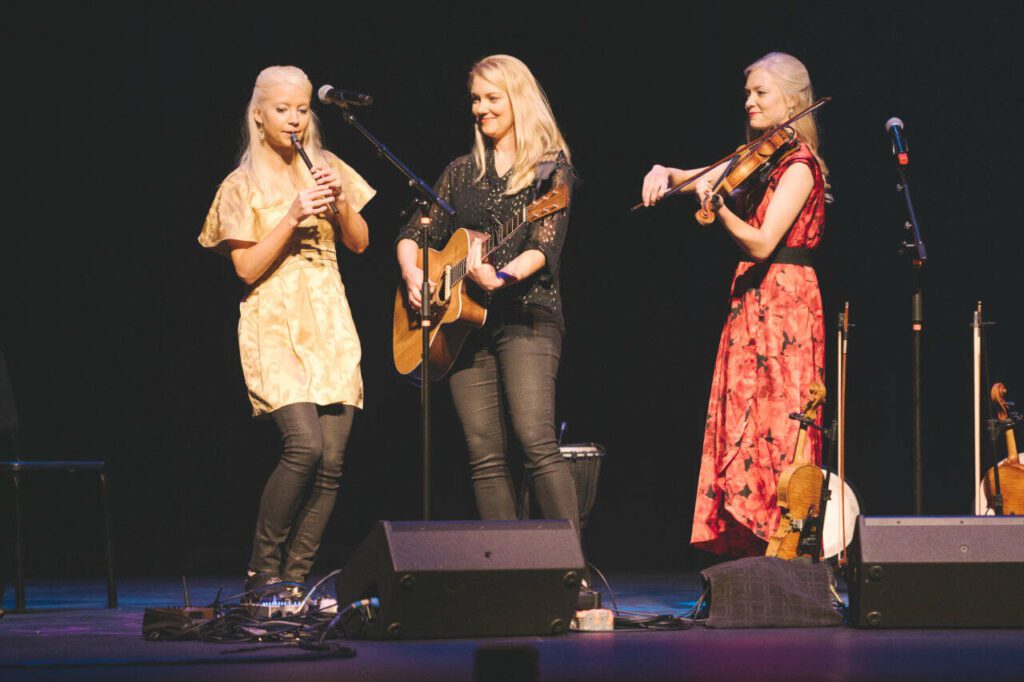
<point x="458" y="306"/>
<point x="799" y="489"/>
<point x="1011" y="471"/>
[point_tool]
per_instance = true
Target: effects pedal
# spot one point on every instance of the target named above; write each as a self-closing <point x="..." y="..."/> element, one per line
<point x="278" y="607"/>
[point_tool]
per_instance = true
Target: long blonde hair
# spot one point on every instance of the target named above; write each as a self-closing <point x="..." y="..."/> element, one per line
<point x="255" y="152"/>
<point x="792" y="77"/>
<point x="537" y="134"/>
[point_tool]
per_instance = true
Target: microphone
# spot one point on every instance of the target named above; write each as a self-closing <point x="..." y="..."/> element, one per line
<point x="899" y="147"/>
<point x="329" y="94"/>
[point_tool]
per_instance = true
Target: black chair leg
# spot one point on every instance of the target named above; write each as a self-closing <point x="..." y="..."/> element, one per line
<point x="19" y="549"/>
<point x="108" y="543"/>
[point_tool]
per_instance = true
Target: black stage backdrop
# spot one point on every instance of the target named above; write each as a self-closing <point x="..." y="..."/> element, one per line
<point x="120" y="330"/>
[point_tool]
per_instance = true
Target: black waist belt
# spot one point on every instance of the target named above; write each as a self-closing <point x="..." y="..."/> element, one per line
<point x="786" y="255"/>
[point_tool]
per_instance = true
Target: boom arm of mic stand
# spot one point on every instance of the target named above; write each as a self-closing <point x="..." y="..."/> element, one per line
<point x="414" y="180"/>
<point x="920" y="253"/>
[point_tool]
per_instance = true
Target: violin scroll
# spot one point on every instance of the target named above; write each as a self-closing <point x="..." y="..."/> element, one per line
<point x="998" y="395"/>
<point x="706" y="214"/>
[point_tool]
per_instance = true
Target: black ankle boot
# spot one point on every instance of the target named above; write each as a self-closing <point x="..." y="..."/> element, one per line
<point x="260" y="584"/>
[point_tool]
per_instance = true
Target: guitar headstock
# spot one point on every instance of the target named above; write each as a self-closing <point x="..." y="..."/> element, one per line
<point x="815" y="398"/>
<point x="552" y="202"/>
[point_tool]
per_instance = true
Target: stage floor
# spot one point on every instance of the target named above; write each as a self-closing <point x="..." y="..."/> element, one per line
<point x="70" y="635"/>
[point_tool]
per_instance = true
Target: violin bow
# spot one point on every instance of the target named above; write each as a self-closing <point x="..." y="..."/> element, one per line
<point x="844" y="330"/>
<point x="749" y="148"/>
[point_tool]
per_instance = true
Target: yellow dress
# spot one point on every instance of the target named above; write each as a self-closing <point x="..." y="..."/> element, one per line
<point x="296" y="337"/>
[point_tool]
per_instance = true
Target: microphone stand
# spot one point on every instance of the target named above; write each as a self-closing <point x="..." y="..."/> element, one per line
<point x="976" y="338"/>
<point x="426" y="198"/>
<point x="914" y="247"/>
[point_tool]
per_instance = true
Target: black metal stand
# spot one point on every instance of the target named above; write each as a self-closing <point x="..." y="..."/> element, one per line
<point x="426" y="198"/>
<point x="426" y="324"/>
<point x="996" y="427"/>
<point x="914" y="246"/>
<point x="917" y="326"/>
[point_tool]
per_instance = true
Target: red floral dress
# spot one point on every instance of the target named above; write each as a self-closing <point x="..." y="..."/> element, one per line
<point x="771" y="351"/>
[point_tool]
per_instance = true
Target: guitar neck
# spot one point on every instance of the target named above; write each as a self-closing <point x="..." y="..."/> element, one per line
<point x="491" y="244"/>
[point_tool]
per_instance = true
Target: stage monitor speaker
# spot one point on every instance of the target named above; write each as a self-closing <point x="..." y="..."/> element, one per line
<point x="464" y="579"/>
<point x="943" y="572"/>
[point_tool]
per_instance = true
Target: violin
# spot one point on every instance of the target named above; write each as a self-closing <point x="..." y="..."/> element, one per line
<point x="744" y="165"/>
<point x="799" y="491"/>
<point x="1011" y="470"/>
<point x="744" y="162"/>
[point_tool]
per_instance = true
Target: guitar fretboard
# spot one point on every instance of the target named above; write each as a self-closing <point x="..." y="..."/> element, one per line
<point x="504" y="233"/>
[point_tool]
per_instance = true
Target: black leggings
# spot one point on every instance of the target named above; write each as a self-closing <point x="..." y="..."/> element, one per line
<point x="299" y="497"/>
<point x="511" y="369"/>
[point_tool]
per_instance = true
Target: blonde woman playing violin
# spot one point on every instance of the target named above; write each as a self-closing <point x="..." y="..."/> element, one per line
<point x="772" y="345"/>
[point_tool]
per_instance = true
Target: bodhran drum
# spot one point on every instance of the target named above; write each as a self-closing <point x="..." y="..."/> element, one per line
<point x="584" y="460"/>
<point x="833" y="538"/>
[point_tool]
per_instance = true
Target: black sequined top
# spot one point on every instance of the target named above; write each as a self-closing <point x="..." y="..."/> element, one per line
<point x="483" y="206"/>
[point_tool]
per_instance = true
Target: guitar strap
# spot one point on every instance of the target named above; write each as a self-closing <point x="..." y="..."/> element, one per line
<point x="542" y="173"/>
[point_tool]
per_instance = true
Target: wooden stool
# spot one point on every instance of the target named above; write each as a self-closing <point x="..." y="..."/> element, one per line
<point x="16" y="469"/>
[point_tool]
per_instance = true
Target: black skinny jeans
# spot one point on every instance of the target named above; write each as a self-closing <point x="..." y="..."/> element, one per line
<point x="299" y="497"/>
<point x="510" y="369"/>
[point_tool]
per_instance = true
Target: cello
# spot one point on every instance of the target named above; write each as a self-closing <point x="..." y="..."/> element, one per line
<point x="799" y="490"/>
<point x="1010" y="470"/>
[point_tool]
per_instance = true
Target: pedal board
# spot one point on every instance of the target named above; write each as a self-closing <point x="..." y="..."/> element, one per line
<point x="278" y="607"/>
